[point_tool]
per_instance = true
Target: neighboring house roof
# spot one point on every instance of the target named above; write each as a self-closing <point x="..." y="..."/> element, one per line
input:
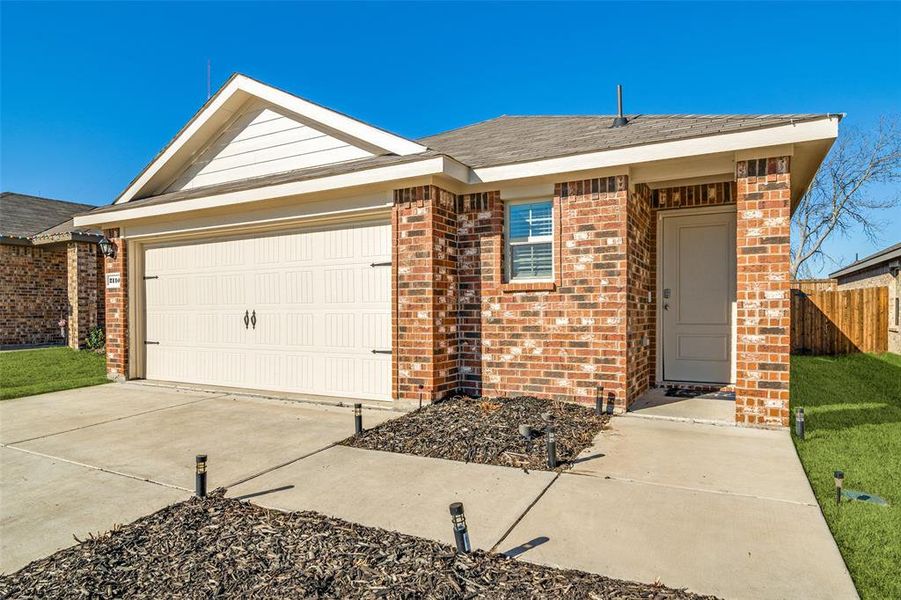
<point x="511" y="139"/>
<point x="892" y="253"/>
<point x="25" y="218"/>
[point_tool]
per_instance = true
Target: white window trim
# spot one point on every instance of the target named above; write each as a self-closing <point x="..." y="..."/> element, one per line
<point x="508" y="265"/>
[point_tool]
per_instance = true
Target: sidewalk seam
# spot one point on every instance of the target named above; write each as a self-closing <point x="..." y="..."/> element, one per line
<point x="525" y="512"/>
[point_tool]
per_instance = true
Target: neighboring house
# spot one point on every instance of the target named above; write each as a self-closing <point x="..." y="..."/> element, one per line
<point x="279" y="245"/>
<point x="49" y="271"/>
<point x="880" y="269"/>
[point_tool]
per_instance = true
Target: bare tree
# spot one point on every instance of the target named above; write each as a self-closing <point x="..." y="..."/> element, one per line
<point x="841" y="196"/>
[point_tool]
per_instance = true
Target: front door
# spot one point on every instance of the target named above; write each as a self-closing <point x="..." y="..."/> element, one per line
<point x="697" y="297"/>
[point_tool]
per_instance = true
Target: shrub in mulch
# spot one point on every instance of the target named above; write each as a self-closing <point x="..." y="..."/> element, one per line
<point x="483" y="430"/>
<point x="228" y="548"/>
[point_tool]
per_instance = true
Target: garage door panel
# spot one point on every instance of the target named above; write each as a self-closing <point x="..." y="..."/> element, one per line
<point x="321" y="308"/>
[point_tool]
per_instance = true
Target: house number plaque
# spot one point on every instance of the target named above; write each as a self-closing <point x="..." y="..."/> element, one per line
<point x="113" y="281"/>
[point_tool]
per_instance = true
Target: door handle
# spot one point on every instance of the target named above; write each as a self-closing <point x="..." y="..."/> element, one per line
<point x="666" y="306"/>
<point x="246" y="319"/>
<point x="253" y="319"/>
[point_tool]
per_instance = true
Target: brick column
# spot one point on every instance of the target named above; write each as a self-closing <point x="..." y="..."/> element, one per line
<point x="117" y="311"/>
<point x="763" y="311"/>
<point x="81" y="272"/>
<point x="424" y="279"/>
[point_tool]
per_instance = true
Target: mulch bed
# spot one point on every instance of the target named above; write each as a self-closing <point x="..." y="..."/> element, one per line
<point x="483" y="430"/>
<point x="227" y="548"/>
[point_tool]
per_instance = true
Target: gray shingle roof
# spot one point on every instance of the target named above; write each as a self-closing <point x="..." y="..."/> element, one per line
<point x="513" y="139"/>
<point x="23" y="216"/>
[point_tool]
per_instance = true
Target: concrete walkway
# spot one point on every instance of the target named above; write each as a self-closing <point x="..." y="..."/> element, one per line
<point x="718" y="510"/>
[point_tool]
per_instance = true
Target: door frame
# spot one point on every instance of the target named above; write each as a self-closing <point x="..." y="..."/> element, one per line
<point x="658" y="334"/>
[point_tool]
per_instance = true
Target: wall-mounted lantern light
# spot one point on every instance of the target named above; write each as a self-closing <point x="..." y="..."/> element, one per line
<point x="107" y="248"/>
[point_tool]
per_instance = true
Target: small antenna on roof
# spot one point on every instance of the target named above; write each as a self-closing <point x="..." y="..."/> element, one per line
<point x="620" y="120"/>
<point x="208" y="85"/>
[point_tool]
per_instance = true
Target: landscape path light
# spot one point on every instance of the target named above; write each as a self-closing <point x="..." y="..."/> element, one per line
<point x="551" y="446"/>
<point x="358" y="418"/>
<point x="839" y="480"/>
<point x="799" y="423"/>
<point x="461" y="533"/>
<point x="200" y="475"/>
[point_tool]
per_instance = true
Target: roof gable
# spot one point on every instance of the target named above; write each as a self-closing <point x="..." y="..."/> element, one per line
<point x="248" y="129"/>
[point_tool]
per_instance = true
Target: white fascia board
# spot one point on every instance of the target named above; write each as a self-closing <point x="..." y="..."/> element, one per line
<point x="439" y="165"/>
<point x="826" y="128"/>
<point x="193" y="127"/>
<point x="355" y="129"/>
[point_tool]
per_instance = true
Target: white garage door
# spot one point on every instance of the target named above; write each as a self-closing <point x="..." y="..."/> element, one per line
<point x="306" y="311"/>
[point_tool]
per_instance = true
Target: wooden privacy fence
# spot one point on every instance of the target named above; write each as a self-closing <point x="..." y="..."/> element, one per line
<point x="840" y="322"/>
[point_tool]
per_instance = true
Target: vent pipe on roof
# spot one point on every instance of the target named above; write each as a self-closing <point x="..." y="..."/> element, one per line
<point x="620" y="120"/>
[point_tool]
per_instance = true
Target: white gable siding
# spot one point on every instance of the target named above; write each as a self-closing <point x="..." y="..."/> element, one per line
<point x="263" y="142"/>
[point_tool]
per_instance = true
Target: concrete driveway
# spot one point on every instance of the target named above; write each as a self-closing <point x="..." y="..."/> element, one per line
<point x="81" y="461"/>
<point x="717" y="510"/>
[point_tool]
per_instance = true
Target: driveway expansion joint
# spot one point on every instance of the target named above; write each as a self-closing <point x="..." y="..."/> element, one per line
<point x="96" y="468"/>
<point x="122" y="418"/>
<point x="518" y="519"/>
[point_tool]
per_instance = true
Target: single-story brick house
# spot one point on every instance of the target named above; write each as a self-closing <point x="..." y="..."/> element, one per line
<point x="49" y="272"/>
<point x="277" y="244"/>
<point x="880" y="269"/>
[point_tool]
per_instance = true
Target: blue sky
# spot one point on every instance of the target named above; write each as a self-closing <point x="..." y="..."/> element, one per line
<point x="90" y="92"/>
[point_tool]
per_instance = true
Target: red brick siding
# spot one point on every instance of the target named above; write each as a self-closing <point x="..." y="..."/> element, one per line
<point x="560" y="343"/>
<point x="424" y="274"/>
<point x="33" y="294"/>
<point x="117" y="311"/>
<point x="82" y="291"/>
<point x="763" y="205"/>
<point x="641" y="283"/>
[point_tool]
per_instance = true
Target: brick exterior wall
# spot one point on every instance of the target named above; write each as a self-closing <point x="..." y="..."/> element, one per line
<point x="117" y="311"/>
<point x="640" y="298"/>
<point x="33" y="294"/>
<point x="424" y="279"/>
<point x="82" y="291"/>
<point x="563" y="340"/>
<point x="763" y="311"/>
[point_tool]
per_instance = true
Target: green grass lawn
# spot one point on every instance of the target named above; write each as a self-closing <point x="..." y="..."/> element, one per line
<point x="852" y="407"/>
<point x="28" y="372"/>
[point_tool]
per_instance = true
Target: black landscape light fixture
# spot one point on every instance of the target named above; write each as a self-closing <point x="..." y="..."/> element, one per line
<point x="461" y="533"/>
<point x="799" y="423"/>
<point x="420" y="395"/>
<point x="599" y="401"/>
<point x="839" y="480"/>
<point x="200" y="475"/>
<point x="358" y="419"/>
<point x="551" y="446"/>
<point x="107" y="248"/>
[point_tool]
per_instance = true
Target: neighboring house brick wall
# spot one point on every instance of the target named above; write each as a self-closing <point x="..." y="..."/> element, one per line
<point x="763" y="302"/>
<point x="560" y="341"/>
<point x="117" y="310"/>
<point x="424" y="273"/>
<point x="880" y="276"/>
<point x="33" y="293"/>
<point x="82" y="291"/>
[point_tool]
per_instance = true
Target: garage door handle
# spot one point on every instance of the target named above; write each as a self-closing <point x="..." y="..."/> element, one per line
<point x="381" y="351"/>
<point x="246" y="318"/>
<point x="253" y="319"/>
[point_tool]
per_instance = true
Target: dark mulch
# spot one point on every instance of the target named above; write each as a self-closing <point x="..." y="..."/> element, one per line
<point x="483" y="430"/>
<point x="226" y="548"/>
